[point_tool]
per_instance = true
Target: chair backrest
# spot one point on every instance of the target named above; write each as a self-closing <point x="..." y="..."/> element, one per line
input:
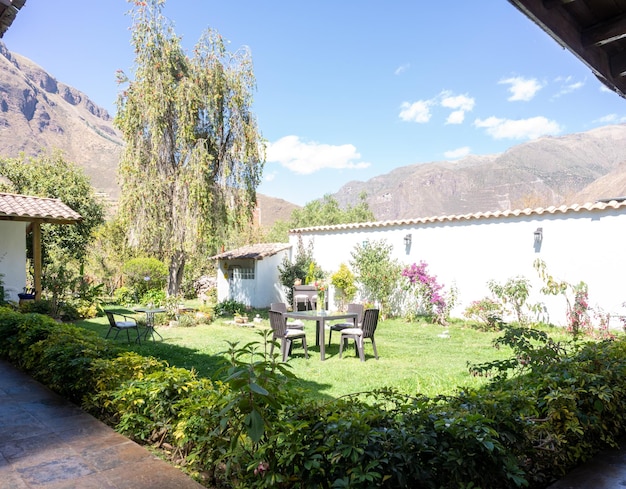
<point x="370" y="321"/>
<point x="278" y="324"/>
<point x="111" y="319"/>
<point x="359" y="309"/>
<point x="278" y="306"/>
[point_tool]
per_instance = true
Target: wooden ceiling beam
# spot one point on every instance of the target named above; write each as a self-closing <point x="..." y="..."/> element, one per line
<point x="555" y="3"/>
<point x="605" y="32"/>
<point x="618" y="65"/>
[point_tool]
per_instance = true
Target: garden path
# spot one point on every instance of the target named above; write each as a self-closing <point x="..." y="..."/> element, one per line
<point x="49" y="443"/>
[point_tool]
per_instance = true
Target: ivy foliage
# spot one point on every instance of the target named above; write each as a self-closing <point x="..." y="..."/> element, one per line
<point x="193" y="156"/>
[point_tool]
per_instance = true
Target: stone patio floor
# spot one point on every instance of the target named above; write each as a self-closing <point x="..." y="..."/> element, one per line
<point x="47" y="442"/>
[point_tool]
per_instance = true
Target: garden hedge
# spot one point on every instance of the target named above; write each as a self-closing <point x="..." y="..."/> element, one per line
<point x="249" y="428"/>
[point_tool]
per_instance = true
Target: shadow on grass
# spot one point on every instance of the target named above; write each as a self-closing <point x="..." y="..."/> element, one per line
<point x="205" y="364"/>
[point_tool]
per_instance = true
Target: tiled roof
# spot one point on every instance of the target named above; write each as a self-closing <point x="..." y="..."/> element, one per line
<point x="28" y="208"/>
<point x="596" y="206"/>
<point x="254" y="252"/>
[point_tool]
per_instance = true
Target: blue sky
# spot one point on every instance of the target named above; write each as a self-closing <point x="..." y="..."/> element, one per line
<point x="348" y="90"/>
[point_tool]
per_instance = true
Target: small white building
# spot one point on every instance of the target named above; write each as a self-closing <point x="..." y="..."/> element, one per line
<point x="250" y="274"/>
<point x="577" y="243"/>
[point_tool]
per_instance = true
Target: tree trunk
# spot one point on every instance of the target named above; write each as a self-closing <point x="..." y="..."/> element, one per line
<point x="175" y="275"/>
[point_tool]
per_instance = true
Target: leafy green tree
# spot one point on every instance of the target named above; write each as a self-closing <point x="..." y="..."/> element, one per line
<point x="289" y="271"/>
<point x="513" y="294"/>
<point x="193" y="156"/>
<point x="376" y="272"/>
<point x="321" y="212"/>
<point x="343" y="281"/>
<point x="50" y="175"/>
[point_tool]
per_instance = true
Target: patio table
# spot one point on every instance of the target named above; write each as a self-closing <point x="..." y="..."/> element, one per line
<point x="320" y="317"/>
<point x="150" y="313"/>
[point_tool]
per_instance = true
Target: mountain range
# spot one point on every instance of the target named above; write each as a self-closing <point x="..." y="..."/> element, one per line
<point x="39" y="113"/>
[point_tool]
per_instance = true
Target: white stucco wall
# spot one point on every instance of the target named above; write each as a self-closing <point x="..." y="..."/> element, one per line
<point x="577" y="246"/>
<point x="13" y="257"/>
<point x="259" y="292"/>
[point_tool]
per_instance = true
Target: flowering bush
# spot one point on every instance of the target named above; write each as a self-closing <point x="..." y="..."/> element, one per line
<point x="578" y="320"/>
<point x="430" y="294"/>
<point x="486" y="312"/>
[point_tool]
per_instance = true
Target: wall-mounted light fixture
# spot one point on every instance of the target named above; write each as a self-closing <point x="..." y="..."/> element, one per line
<point x="538" y="235"/>
<point x="407" y="240"/>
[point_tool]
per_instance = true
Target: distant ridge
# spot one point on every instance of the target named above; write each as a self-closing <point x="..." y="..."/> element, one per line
<point x="540" y="173"/>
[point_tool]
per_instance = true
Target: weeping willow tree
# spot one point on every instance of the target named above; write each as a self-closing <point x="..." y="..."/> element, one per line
<point x="193" y="155"/>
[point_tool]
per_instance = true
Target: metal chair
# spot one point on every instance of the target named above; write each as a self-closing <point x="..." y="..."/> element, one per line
<point x="370" y="321"/>
<point x="126" y="325"/>
<point x="285" y="335"/>
<point x="282" y="308"/>
<point x="356" y="308"/>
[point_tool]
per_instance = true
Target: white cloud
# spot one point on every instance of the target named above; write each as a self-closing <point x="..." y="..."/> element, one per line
<point x="455" y="154"/>
<point x="462" y="104"/>
<point x="308" y="157"/>
<point x="568" y="85"/>
<point x="401" y="69"/>
<point x="416" y="112"/>
<point x="420" y="111"/>
<point x="518" y="129"/>
<point x="268" y="177"/>
<point x="522" y="89"/>
<point x="611" y="119"/>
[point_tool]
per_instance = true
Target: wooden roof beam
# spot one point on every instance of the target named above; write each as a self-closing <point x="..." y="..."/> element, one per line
<point x="605" y="32"/>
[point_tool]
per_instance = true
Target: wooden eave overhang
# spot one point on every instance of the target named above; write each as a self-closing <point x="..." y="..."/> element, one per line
<point x="593" y="30"/>
<point x="8" y="12"/>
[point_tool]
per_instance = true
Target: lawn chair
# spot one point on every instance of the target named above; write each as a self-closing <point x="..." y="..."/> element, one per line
<point x="282" y="308"/>
<point x="370" y="321"/>
<point x="285" y="335"/>
<point x="127" y="324"/>
<point x="356" y="308"/>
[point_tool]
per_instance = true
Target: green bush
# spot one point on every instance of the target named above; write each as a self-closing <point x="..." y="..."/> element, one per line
<point x="547" y="409"/>
<point x="144" y="274"/>
<point x="229" y="306"/>
<point x="125" y="296"/>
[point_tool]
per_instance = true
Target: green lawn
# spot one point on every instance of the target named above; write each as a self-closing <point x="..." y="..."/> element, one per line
<point x="413" y="358"/>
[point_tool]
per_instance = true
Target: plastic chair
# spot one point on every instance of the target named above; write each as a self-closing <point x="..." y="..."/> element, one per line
<point x="282" y="308"/>
<point x="370" y="321"/>
<point x="285" y="335"/>
<point x="356" y="308"/>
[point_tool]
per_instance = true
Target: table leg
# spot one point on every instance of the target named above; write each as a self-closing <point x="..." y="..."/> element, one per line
<point x="322" y="342"/>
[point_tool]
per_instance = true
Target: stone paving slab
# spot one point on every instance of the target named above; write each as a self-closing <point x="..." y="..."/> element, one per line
<point x="49" y="443"/>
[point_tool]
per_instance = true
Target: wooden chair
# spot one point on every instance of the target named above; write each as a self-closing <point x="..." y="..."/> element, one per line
<point x="356" y="308"/>
<point x="127" y="324"/>
<point x="282" y="308"/>
<point x="285" y="335"/>
<point x="367" y="330"/>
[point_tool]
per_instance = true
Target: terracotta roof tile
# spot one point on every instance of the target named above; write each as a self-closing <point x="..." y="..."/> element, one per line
<point x="590" y="206"/>
<point x="27" y="207"/>
<point x="254" y="252"/>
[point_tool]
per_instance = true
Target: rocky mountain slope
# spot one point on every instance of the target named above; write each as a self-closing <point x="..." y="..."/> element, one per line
<point x="544" y="172"/>
<point x="39" y="113"/>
